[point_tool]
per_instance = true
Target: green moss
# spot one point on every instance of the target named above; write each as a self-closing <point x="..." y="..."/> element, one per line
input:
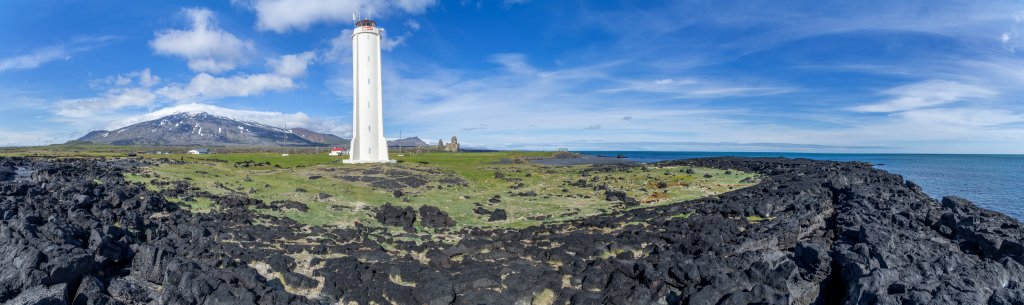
<point x="352" y="201"/>
<point x="756" y="218"/>
<point x="201" y="205"/>
<point x="546" y="297"/>
<point x="681" y="216"/>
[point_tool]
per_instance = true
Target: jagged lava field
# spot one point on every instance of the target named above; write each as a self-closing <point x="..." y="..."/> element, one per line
<point x="489" y="228"/>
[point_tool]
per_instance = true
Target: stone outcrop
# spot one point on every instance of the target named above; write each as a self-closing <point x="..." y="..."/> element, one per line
<point x="811" y="232"/>
<point x="431" y="216"/>
<point x="452" y="146"/>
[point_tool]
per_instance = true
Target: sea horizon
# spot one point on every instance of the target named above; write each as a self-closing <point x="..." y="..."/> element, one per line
<point x="785" y="152"/>
<point x="991" y="181"/>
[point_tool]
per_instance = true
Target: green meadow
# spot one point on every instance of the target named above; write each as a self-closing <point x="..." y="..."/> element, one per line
<point x="338" y="194"/>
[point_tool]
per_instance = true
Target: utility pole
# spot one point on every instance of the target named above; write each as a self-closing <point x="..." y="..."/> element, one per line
<point x="399" y="141"/>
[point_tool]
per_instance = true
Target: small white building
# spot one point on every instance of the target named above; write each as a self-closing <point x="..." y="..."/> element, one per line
<point x="199" y="151"/>
<point x="337" y="151"/>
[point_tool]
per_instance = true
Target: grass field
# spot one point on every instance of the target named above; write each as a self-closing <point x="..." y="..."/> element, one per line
<point x="339" y="194"/>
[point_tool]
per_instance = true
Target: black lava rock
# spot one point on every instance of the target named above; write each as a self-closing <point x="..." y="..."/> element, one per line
<point x="620" y="196"/>
<point x="828" y="233"/>
<point x="498" y="215"/>
<point x="391" y="215"/>
<point x="433" y="217"/>
<point x="289" y="204"/>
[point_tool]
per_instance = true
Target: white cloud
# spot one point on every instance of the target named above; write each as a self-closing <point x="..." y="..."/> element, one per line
<point x="143" y="78"/>
<point x="963" y="118"/>
<point x="205" y="86"/>
<point x="121" y="95"/>
<point x="271" y="118"/>
<point x="146" y="79"/>
<point x="284" y="15"/>
<point x="508" y="3"/>
<point x="560" y="105"/>
<point x="550" y="103"/>
<point x="206" y="47"/>
<point x="413" y="6"/>
<point x="121" y="80"/>
<point x="114" y="99"/>
<point x="513" y="62"/>
<point x="292" y="65"/>
<point x="1012" y="39"/>
<point x="690" y="88"/>
<point x="412" y="25"/>
<point x="341" y="45"/>
<point x="927" y="94"/>
<point x="48" y="54"/>
<point x="24" y="137"/>
<point x="387" y="43"/>
<point x="34" y="59"/>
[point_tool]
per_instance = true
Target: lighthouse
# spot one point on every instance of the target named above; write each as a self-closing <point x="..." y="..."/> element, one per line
<point x="368" y="143"/>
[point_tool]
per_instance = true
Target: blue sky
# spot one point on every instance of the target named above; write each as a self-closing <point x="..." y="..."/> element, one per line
<point x="817" y="76"/>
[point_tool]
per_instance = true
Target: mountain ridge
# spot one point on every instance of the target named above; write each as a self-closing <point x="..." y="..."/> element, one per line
<point x="204" y="129"/>
<point x="197" y="129"/>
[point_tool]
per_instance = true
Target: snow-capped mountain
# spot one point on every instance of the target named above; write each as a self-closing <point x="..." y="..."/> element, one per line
<point x="197" y="129"/>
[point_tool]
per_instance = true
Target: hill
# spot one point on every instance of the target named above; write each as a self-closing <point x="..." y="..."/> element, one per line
<point x="330" y="139"/>
<point x="323" y="138"/>
<point x="192" y="129"/>
<point x="408" y="142"/>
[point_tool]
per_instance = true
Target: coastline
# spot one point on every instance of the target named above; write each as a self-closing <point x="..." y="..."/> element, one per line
<point x="811" y="232"/>
<point x="990" y="181"/>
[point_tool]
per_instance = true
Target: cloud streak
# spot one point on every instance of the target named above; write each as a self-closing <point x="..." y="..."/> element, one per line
<point x="927" y="94"/>
<point x="41" y="56"/>
<point x="282" y="16"/>
<point x="205" y="86"/>
<point x="130" y="90"/>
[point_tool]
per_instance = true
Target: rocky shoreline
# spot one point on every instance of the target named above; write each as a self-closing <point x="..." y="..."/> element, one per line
<point x="73" y="231"/>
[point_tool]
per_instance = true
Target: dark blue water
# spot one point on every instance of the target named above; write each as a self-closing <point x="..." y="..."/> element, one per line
<point x="995" y="182"/>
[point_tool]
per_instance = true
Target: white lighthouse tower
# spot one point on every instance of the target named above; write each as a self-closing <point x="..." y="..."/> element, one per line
<point x="368" y="143"/>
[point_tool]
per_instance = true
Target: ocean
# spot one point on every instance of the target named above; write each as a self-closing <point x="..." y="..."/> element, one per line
<point x="994" y="182"/>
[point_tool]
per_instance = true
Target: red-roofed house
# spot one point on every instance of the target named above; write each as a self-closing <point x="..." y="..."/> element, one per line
<point x="337" y="151"/>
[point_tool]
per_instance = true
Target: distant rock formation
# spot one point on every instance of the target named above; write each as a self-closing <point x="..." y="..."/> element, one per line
<point x="452" y="146"/>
